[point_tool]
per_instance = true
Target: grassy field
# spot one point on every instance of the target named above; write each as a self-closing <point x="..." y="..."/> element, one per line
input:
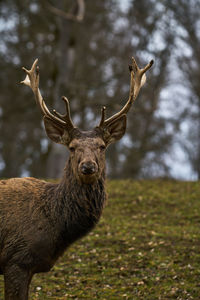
<point x="146" y="246"/>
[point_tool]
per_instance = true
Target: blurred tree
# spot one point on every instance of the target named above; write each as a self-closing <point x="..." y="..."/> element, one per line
<point x="186" y="27"/>
<point x="87" y="62"/>
<point x="64" y="54"/>
<point x="148" y="138"/>
<point x="52" y="34"/>
<point x="16" y="118"/>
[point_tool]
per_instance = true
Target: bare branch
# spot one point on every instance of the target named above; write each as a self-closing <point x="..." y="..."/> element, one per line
<point x="59" y="12"/>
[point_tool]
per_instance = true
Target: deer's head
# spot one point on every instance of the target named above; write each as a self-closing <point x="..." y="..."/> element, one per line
<point x="87" y="148"/>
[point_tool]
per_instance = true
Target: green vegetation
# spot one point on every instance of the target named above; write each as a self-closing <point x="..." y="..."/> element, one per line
<point x="146" y="246"/>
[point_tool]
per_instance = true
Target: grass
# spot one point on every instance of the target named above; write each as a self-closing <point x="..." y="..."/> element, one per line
<point x="146" y="246"/>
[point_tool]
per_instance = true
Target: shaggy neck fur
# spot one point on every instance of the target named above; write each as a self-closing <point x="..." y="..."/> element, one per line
<point x="78" y="205"/>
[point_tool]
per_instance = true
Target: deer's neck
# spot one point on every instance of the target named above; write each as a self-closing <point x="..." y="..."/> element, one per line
<point x="78" y="206"/>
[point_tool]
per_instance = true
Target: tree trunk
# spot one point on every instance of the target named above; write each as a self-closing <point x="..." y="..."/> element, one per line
<point x="65" y="55"/>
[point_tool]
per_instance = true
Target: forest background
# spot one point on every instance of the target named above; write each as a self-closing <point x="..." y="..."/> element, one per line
<point x="84" y="48"/>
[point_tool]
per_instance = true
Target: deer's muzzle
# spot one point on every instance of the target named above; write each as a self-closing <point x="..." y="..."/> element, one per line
<point x="88" y="168"/>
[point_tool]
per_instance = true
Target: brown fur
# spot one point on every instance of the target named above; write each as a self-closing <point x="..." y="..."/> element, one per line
<point x="39" y="220"/>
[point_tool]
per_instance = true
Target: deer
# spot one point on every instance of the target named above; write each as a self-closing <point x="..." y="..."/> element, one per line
<point x="39" y="220"/>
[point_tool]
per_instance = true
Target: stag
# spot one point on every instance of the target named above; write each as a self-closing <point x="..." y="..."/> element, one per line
<point x="38" y="219"/>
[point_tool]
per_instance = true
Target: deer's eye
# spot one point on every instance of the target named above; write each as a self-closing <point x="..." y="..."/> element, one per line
<point x="71" y="149"/>
<point x="102" y="147"/>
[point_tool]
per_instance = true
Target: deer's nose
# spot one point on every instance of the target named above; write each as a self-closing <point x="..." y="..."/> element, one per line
<point x="88" y="168"/>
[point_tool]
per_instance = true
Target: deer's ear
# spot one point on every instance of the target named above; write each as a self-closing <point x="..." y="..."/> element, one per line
<point x="115" y="130"/>
<point x="55" y="132"/>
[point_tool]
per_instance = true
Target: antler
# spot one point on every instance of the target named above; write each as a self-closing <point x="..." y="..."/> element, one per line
<point x="32" y="80"/>
<point x="138" y="78"/>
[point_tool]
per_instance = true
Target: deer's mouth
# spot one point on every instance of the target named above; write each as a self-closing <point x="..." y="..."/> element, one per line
<point x="88" y="178"/>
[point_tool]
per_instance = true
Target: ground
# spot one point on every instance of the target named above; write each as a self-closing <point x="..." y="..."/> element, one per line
<point x="146" y="246"/>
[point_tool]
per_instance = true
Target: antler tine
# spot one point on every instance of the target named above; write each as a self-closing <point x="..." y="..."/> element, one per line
<point x="137" y="80"/>
<point x="139" y="76"/>
<point x="67" y="116"/>
<point x="103" y="115"/>
<point x="32" y="80"/>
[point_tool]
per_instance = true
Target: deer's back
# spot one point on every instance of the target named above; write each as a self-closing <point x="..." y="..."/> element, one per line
<point x="19" y="195"/>
<point x="22" y="223"/>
